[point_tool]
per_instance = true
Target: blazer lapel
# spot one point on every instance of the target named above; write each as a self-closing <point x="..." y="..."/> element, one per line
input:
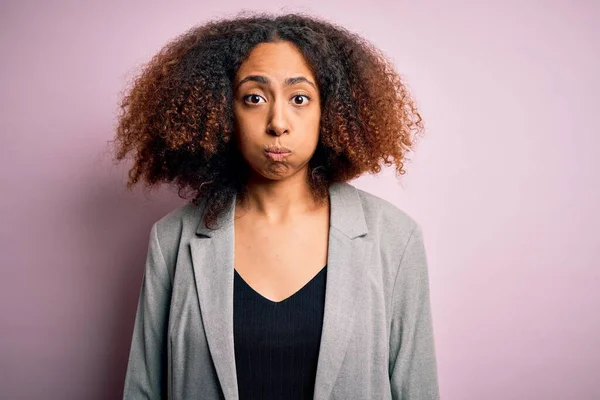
<point x="349" y="249"/>
<point x="347" y="260"/>
<point x="212" y="259"/>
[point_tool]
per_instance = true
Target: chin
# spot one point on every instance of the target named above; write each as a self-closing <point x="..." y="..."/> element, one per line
<point x="274" y="172"/>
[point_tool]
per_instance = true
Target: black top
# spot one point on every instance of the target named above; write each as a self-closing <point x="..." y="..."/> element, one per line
<point x="277" y="343"/>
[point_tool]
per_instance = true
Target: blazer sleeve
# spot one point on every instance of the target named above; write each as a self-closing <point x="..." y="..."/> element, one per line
<point x="146" y="376"/>
<point x="413" y="366"/>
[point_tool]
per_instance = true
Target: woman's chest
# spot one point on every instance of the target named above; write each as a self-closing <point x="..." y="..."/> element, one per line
<point x="277" y="261"/>
<point x="354" y="320"/>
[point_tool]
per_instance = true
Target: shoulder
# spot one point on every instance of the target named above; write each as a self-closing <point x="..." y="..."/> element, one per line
<point x="380" y="213"/>
<point x="176" y="227"/>
<point x="388" y="226"/>
<point x="178" y="220"/>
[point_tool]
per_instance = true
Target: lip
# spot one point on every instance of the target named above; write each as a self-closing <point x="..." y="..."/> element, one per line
<point x="277" y="149"/>
<point x="277" y="155"/>
<point x="277" y="152"/>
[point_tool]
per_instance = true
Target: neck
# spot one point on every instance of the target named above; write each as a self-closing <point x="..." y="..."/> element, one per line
<point x="278" y="200"/>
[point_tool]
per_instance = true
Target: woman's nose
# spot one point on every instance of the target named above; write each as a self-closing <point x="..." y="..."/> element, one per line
<point x="278" y="124"/>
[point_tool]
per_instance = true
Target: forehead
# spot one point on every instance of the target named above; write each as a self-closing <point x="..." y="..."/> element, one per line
<point x="279" y="60"/>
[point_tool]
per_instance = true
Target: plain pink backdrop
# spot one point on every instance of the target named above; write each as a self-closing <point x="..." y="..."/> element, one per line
<point x="504" y="184"/>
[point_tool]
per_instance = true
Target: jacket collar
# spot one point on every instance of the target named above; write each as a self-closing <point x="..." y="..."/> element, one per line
<point x="348" y="254"/>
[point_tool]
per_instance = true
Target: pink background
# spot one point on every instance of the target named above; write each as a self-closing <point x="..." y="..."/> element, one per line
<point x="505" y="185"/>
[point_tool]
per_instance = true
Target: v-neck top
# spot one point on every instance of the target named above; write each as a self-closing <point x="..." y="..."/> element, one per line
<point x="277" y="343"/>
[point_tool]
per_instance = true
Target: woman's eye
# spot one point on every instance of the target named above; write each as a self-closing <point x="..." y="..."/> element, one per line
<point x="253" y="98"/>
<point x="298" y="100"/>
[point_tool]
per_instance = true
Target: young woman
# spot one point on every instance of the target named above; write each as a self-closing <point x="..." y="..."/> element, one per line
<point x="279" y="280"/>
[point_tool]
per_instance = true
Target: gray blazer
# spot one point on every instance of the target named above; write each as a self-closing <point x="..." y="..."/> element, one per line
<point x="377" y="339"/>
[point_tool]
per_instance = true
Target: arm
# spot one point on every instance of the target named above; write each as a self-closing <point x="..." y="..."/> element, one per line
<point x="146" y="376"/>
<point x="413" y="367"/>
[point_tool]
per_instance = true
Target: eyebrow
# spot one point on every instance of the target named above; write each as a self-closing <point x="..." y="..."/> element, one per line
<point x="265" y="81"/>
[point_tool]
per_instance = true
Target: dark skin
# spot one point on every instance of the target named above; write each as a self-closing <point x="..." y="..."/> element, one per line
<point x="281" y="231"/>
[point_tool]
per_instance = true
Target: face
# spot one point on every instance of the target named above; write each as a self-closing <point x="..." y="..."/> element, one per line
<point x="277" y="111"/>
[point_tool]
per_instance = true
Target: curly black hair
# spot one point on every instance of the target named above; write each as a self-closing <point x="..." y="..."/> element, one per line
<point x="177" y="119"/>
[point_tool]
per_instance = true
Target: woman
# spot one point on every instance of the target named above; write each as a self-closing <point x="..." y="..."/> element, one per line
<point x="279" y="280"/>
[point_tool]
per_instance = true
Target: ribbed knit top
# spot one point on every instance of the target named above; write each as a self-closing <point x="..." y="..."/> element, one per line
<point x="277" y="343"/>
